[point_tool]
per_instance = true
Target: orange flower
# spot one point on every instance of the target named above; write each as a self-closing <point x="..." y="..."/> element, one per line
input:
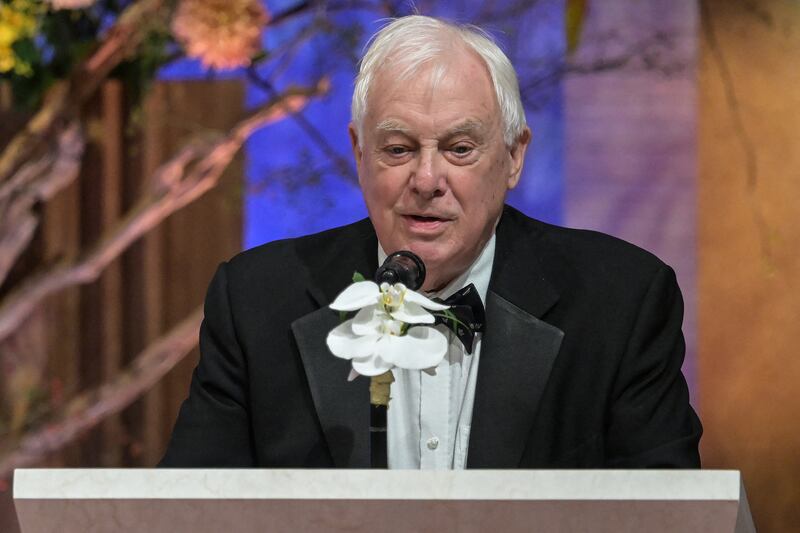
<point x="71" y="4"/>
<point x="223" y="34"/>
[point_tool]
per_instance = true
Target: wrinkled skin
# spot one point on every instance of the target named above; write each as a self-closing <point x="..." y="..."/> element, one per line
<point x="433" y="166"/>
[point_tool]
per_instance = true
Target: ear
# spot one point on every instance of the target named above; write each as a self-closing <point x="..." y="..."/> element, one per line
<point x="517" y="154"/>
<point x="353" y="132"/>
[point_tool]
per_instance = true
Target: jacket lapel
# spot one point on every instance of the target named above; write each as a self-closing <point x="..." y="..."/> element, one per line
<point x="342" y="406"/>
<point x="517" y="354"/>
<point x="517" y="351"/>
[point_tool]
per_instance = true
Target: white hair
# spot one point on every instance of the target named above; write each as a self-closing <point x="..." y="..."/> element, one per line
<point x="407" y="44"/>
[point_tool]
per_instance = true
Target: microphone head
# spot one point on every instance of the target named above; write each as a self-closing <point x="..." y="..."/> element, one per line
<point x="402" y="267"/>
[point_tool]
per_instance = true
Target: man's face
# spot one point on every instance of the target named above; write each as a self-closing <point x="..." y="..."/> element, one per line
<point x="433" y="166"/>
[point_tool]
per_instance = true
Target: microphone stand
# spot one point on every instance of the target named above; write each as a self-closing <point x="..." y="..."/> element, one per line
<point x="377" y="437"/>
<point x="400" y="267"/>
<point x="379" y="387"/>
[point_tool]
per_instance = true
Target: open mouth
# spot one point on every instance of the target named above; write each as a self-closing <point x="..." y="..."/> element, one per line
<point x="425" y="224"/>
<point x="418" y="218"/>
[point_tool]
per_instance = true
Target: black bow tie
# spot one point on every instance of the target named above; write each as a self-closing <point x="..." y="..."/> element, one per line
<point x="468" y="316"/>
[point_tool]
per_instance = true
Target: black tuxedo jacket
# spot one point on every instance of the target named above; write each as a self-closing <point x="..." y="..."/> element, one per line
<point x="580" y="361"/>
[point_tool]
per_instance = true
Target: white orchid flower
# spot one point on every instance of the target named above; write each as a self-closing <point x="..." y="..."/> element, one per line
<point x="378" y="338"/>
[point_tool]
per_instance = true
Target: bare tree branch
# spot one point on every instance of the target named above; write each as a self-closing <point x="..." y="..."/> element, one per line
<point x="35" y="181"/>
<point x="65" y="99"/>
<point x="90" y="408"/>
<point x="15" y="237"/>
<point x="342" y="164"/>
<point x="195" y="170"/>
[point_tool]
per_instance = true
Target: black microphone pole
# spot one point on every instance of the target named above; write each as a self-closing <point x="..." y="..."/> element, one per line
<point x="400" y="267"/>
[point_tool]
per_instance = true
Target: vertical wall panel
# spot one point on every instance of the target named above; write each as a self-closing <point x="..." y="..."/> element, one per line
<point x="168" y="271"/>
<point x="630" y="134"/>
<point x="203" y="234"/>
<point x="101" y="303"/>
<point x="144" y="283"/>
<point x="749" y="266"/>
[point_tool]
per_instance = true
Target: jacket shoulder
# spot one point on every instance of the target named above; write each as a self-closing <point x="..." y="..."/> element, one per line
<point x="579" y="258"/>
<point x="290" y="258"/>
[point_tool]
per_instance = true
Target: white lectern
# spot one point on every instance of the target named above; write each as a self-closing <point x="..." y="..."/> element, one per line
<point x="373" y="501"/>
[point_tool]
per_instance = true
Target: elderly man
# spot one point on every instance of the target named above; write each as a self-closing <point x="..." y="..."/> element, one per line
<point x="579" y="363"/>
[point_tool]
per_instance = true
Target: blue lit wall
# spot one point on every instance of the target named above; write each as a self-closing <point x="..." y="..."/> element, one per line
<point x="300" y="182"/>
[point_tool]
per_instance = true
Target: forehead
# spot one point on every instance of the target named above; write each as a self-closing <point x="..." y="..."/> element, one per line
<point x="454" y="89"/>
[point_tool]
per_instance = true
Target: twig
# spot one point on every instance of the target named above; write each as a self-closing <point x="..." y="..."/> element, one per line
<point x="176" y="184"/>
<point x="34" y="182"/>
<point x="297" y="9"/>
<point x="340" y="163"/>
<point x="90" y="408"/>
<point x="65" y="99"/>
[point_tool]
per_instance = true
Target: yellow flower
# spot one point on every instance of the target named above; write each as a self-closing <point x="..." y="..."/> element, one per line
<point x="7" y="59"/>
<point x="17" y="22"/>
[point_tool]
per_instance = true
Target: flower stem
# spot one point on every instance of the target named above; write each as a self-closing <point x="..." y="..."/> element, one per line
<point x="447" y="314"/>
<point x="379" y="388"/>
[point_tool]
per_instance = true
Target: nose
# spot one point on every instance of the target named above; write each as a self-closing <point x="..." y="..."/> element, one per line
<point x="428" y="178"/>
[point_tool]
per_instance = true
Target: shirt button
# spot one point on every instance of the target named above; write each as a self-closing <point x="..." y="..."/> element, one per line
<point x="433" y="443"/>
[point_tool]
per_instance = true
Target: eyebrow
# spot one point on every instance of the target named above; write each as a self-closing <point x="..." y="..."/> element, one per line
<point x="469" y="126"/>
<point x="391" y="125"/>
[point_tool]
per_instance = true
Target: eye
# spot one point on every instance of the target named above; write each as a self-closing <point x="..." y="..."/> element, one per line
<point x="461" y="149"/>
<point x="397" y="150"/>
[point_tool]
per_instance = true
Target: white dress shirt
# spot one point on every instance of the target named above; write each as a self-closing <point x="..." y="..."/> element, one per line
<point x="430" y="411"/>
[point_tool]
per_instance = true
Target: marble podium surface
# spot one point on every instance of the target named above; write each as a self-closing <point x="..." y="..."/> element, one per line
<point x="165" y="500"/>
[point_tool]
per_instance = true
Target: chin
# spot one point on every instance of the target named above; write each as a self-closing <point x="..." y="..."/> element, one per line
<point x="431" y="253"/>
<point x="440" y="260"/>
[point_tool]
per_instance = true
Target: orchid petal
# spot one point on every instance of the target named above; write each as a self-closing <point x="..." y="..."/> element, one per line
<point x="373" y="366"/>
<point x="419" y="348"/>
<point x="368" y="320"/>
<point x="412" y="313"/>
<point x="343" y="343"/>
<point x="427" y="303"/>
<point x="356" y="296"/>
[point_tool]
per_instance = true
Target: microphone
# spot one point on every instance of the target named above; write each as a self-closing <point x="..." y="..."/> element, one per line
<point x="402" y="267"/>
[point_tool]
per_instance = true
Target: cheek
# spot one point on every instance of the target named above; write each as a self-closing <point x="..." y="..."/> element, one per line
<point x="477" y="198"/>
<point x="381" y="190"/>
<point x="483" y="202"/>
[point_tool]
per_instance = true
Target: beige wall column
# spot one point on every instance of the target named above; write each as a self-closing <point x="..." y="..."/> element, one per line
<point x="749" y="250"/>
